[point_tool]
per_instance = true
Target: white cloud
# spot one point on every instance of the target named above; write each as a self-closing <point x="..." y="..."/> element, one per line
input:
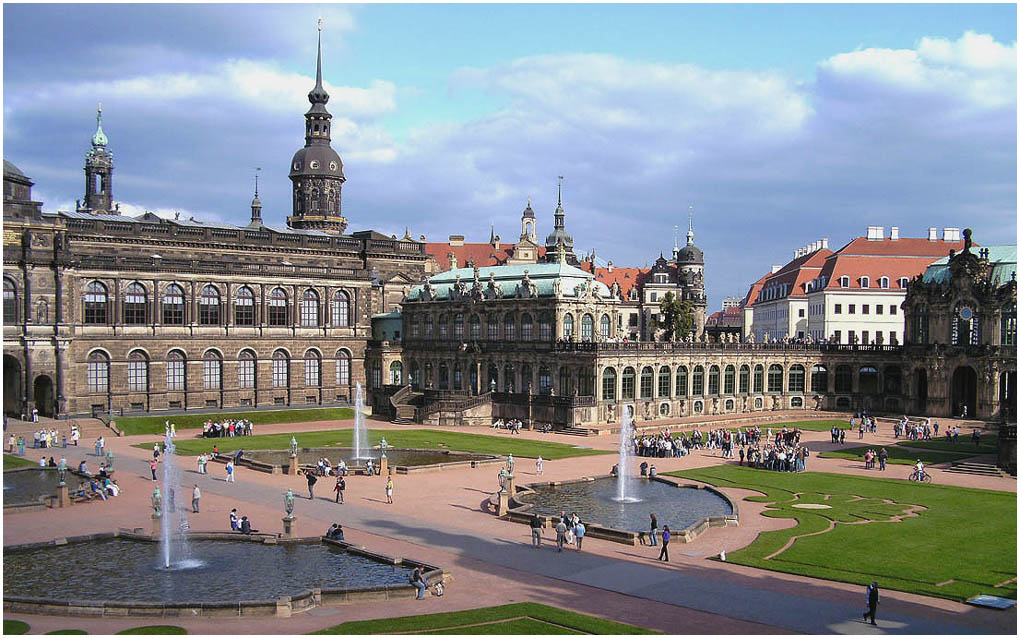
<point x="134" y="210"/>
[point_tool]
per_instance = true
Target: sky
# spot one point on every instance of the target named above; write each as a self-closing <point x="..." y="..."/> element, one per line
<point x="778" y="124"/>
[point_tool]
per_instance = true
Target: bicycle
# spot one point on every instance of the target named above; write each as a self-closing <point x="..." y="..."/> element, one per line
<point x="924" y="478"/>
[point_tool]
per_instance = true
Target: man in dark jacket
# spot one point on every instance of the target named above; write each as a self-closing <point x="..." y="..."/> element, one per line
<point x="872" y="594"/>
<point x="311" y="484"/>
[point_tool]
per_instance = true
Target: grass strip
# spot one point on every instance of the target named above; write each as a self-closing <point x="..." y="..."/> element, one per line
<point x="424" y="439"/>
<point x="11" y="462"/>
<point x="897" y="455"/>
<point x="15" y="627"/>
<point x="963" y="535"/>
<point x="61" y="632"/>
<point x="989" y="445"/>
<point x="437" y="623"/>
<point x="157" y="424"/>
<point x="154" y="629"/>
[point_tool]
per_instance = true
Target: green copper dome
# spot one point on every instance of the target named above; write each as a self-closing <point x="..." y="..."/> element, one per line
<point x="99" y="138"/>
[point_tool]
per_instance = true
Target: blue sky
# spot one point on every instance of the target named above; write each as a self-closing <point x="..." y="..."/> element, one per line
<point x="781" y="124"/>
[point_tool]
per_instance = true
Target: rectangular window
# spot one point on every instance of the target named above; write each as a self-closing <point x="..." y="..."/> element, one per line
<point x="99" y="376"/>
<point x="278" y="312"/>
<point x="879" y="308"/>
<point x="209" y="312"/>
<point x="608" y="388"/>
<point x="838" y="309"/>
<point x="138" y="376"/>
<point x="134" y="309"/>
<point x="800" y="312"/>
<point x="632" y="322"/>
<point x="281" y="374"/>
<point x="312" y="373"/>
<point x="544" y="331"/>
<point x="851" y="336"/>
<point x="175" y="374"/>
<point x="309" y="312"/>
<point x="527" y="331"/>
<point x="664" y="384"/>
<point x="865" y="309"/>
<point x="892" y="309"/>
<point x="376" y="377"/>
<point x="246" y="373"/>
<point x="851" y="309"/>
<point x="343" y="372"/>
<point x="892" y="337"/>
<point x="646" y="386"/>
<point x="244" y="312"/>
<point x="627" y="387"/>
<point x="213" y="373"/>
<point x="864" y="337"/>
<point x="492" y="329"/>
<point x="837" y="335"/>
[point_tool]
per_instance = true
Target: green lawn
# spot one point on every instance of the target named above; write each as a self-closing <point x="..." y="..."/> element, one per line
<point x="823" y="425"/>
<point x="897" y="455"/>
<point x="11" y="462"/>
<point x="63" y="632"/>
<point x="989" y="444"/>
<point x="425" y="439"/>
<point x="13" y="627"/>
<point x="962" y="544"/>
<point x="156" y="424"/>
<point x="517" y="618"/>
<point x="162" y="630"/>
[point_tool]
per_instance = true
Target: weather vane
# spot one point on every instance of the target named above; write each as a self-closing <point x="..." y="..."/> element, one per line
<point x="257" y="169"/>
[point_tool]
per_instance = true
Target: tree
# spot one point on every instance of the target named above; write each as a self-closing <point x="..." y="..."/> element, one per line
<point x="676" y="317"/>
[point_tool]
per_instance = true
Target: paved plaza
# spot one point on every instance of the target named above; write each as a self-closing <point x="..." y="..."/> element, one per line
<point x="442" y="517"/>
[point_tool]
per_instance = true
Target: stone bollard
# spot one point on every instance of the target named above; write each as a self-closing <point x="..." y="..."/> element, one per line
<point x="283" y="607"/>
<point x="293" y="466"/>
<point x="510" y="487"/>
<point x="289" y="526"/>
<point x="63" y="497"/>
<point x="384" y="464"/>
<point x="157" y="525"/>
<point x="504" y="504"/>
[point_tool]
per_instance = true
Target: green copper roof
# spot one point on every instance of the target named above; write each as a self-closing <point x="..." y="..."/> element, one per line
<point x="1003" y="259"/>
<point x="507" y="282"/>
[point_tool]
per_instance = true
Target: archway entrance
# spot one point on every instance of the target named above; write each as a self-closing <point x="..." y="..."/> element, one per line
<point x="12" y="386"/>
<point x="42" y="390"/>
<point x="1007" y="395"/>
<point x="921" y="386"/>
<point x="964" y="392"/>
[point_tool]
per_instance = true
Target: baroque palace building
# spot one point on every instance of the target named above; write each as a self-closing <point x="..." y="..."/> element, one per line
<point x="107" y="313"/>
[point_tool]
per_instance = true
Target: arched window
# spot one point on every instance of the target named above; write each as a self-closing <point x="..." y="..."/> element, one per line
<point x="341" y="310"/>
<point x="647" y="380"/>
<point x="527" y="380"/>
<point x="844" y="282"/>
<point x="681" y="381"/>
<point x="281" y="369"/>
<point x="627" y="383"/>
<point x="844" y="379"/>
<point x="212" y="370"/>
<point x="444" y="376"/>
<point x="664" y="379"/>
<point x="508" y="378"/>
<point x="729" y="380"/>
<point x="775" y="378"/>
<point x="444" y="327"/>
<point x="313" y="368"/>
<point x="545" y="332"/>
<point x="246" y="370"/>
<point x="1007" y="327"/>
<point x="605" y="326"/>
<point x="98" y="371"/>
<point x="745" y="379"/>
<point x="176" y="371"/>
<point x="244" y="307"/>
<point x="509" y="323"/>
<point x="209" y="306"/>
<point x="883" y="282"/>
<point x="585" y="382"/>
<point x="492" y="380"/>
<point x="458" y="326"/>
<point x="868" y="380"/>
<point x="819" y="379"/>
<point x="429" y="330"/>
<point x="903" y="281"/>
<point x="796" y="381"/>
<point x="759" y="379"/>
<point x="609" y="384"/>
<point x="713" y="381"/>
<point x="136" y="305"/>
<point x="475" y="328"/>
<point x="95" y="304"/>
<point x="343" y="368"/>
<point x="966" y="325"/>
<point x="414" y="374"/>
<point x="698" y="381"/>
<point x="429" y="381"/>
<point x="865" y="282"/>
<point x="10" y="302"/>
<point x="278" y="307"/>
<point x="416" y="324"/>
<point x="527" y="328"/>
<point x="310" y="308"/>
<point x="588" y="328"/>
<point x="173" y="305"/>
<point x="568" y="326"/>
<point x="492" y="327"/>
<point x="566" y="381"/>
<point x="544" y="380"/>
<point x="138" y="372"/>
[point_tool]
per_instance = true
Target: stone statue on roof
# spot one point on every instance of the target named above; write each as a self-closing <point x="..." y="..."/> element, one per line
<point x="557" y="287"/>
<point x="459" y="288"/>
<point x="428" y="293"/>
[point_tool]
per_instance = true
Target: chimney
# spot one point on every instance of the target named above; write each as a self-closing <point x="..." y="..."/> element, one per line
<point x="876" y="233"/>
<point x="933" y="234"/>
<point x="776" y="268"/>
<point x="825" y="242"/>
<point x="609" y="266"/>
<point x="894" y="233"/>
<point x="456" y="240"/>
<point x="453" y="260"/>
<point x="951" y="234"/>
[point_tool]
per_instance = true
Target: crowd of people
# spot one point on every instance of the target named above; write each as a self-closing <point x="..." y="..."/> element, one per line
<point x="513" y="425"/>
<point x="227" y="427"/>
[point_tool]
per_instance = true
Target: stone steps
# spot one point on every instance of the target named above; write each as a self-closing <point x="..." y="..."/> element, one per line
<point x="575" y="431"/>
<point x="977" y="469"/>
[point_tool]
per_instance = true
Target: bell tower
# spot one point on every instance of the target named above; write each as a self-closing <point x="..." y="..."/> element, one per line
<point x="98" y="172"/>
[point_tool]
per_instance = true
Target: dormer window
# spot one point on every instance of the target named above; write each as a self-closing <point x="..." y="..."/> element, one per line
<point x="844" y="282"/>
<point x="883" y="282"/>
<point x="865" y="282"/>
<point x="903" y="282"/>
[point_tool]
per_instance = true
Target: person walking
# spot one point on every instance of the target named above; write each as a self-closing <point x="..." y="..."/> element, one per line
<point x="310" y="477"/>
<point x="536" y="531"/>
<point x="196" y="494"/>
<point x="664" y="552"/>
<point x="579" y="531"/>
<point x="389" y="490"/>
<point x="652" y="529"/>
<point x="539" y="466"/>
<point x="561" y="535"/>
<point x="872" y="596"/>
<point x="153" y="464"/>
<point x="883" y="456"/>
<point x="229" y="478"/>
<point x="339" y="488"/>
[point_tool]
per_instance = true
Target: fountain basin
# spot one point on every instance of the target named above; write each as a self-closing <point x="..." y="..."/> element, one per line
<point x="688" y="509"/>
<point x="226" y="575"/>
<point x="27" y="488"/>
<point x="403" y="460"/>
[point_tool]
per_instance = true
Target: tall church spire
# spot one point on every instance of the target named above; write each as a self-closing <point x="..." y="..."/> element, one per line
<point x="256" y="203"/>
<point x="318" y="94"/>
<point x="559" y="238"/>
<point x="98" y="172"/>
<point x="690" y="226"/>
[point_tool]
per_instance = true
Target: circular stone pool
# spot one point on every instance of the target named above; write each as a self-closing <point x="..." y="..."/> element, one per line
<point x="122" y="570"/>
<point x="395" y="456"/>
<point x="593" y="501"/>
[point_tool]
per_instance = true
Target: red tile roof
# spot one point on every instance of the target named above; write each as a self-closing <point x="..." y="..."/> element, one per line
<point x="483" y="254"/>
<point x="895" y="259"/>
<point x="752" y="293"/>
<point x="626" y="277"/>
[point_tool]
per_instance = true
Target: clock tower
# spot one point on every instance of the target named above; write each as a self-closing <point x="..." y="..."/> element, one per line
<point x="316" y="171"/>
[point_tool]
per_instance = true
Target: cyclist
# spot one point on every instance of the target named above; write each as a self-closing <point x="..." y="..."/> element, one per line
<point x="919" y="470"/>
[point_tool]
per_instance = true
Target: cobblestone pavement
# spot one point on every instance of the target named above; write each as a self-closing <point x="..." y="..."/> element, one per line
<point x="440" y="517"/>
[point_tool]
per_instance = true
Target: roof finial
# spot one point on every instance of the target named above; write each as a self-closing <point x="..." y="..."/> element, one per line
<point x="257" y="169"/>
<point x="318" y="94"/>
<point x="99" y="138"/>
<point x="559" y="190"/>
<point x="690" y="225"/>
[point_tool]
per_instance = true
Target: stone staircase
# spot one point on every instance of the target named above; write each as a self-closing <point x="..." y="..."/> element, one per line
<point x="575" y="431"/>
<point x="405" y="402"/>
<point x="91" y="429"/>
<point x="977" y="469"/>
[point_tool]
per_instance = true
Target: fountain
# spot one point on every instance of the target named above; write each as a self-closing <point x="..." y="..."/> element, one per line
<point x="360" y="434"/>
<point x="173" y="541"/>
<point x="624" y="480"/>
